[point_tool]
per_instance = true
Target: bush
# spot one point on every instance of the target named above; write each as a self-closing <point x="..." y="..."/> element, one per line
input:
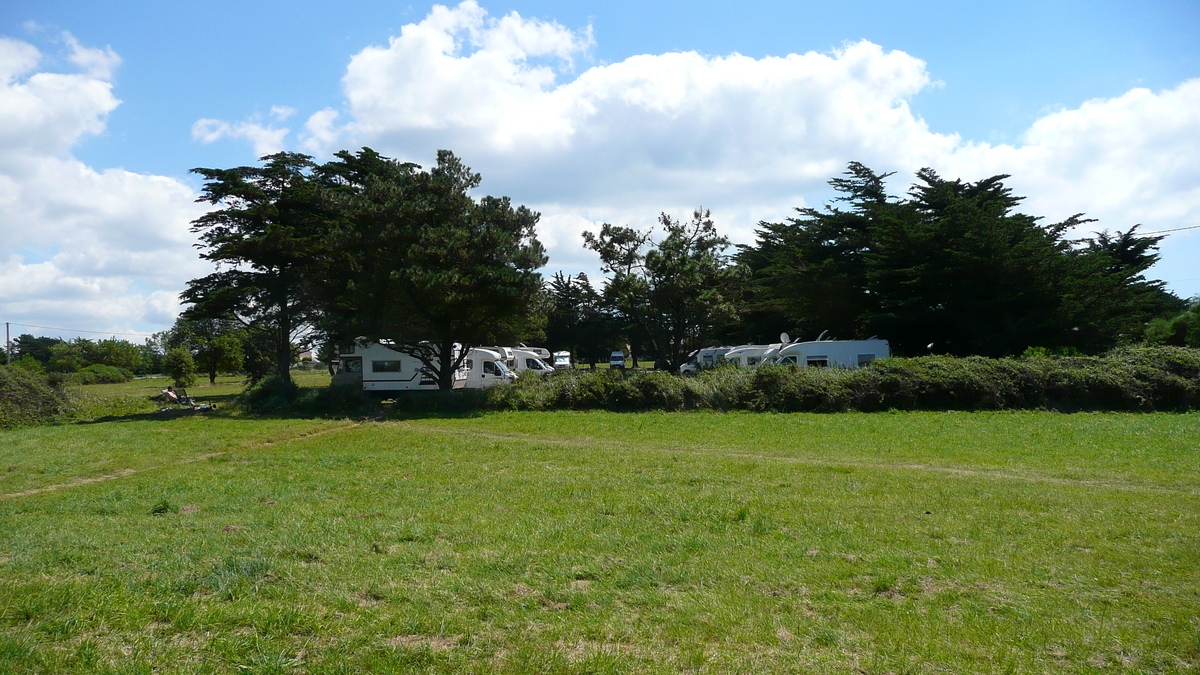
<point x="1134" y="378"/>
<point x="179" y="365"/>
<point x="27" y="398"/>
<point x="270" y="394"/>
<point x="101" y="374"/>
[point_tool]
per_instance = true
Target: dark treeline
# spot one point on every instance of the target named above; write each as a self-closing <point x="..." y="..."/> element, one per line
<point x="367" y="246"/>
<point x="952" y="265"/>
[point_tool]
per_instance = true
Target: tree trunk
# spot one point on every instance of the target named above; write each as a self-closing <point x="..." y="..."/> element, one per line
<point x="445" y="361"/>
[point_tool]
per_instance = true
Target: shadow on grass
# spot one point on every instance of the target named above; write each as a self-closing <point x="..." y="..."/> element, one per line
<point x="405" y="406"/>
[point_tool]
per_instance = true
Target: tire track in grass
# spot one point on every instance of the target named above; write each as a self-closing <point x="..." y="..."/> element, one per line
<point x="179" y="462"/>
<point x="812" y="461"/>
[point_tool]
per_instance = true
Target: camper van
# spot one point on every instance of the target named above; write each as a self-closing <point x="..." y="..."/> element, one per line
<point x="616" y="359"/>
<point x="834" y="353"/>
<point x="520" y="359"/>
<point x="484" y="367"/>
<point x="530" y="359"/>
<point x="701" y="359"/>
<point x="562" y="361"/>
<point x="376" y="367"/>
<point x="752" y="356"/>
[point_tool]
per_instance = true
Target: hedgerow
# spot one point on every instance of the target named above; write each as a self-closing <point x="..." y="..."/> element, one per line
<point x="26" y="398"/>
<point x="1132" y="379"/>
<point x="98" y="373"/>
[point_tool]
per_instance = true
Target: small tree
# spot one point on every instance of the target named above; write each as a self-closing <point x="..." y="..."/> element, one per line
<point x="675" y="293"/>
<point x="180" y="367"/>
<point x="215" y="344"/>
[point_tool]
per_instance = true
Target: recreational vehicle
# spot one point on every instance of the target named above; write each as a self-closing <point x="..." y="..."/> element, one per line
<point x="701" y="359"/>
<point x="483" y="367"/>
<point x="752" y="355"/>
<point x="379" y="368"/>
<point x="562" y="361"/>
<point x="834" y="353"/>
<point x="520" y="359"/>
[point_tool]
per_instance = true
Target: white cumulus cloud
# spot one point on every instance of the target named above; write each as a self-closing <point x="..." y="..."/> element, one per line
<point x="80" y="247"/>
<point x="266" y="138"/>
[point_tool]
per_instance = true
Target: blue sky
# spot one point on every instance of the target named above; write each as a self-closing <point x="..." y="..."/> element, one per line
<point x="589" y="112"/>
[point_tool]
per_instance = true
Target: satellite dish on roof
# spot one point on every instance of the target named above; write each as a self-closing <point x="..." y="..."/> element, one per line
<point x="783" y="337"/>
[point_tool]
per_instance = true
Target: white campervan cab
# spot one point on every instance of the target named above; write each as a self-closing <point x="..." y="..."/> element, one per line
<point x="378" y="368"/>
<point x="616" y="359"/>
<point x="562" y="361"/>
<point x="483" y="367"/>
<point x="701" y="359"/>
<point x="834" y="353"/>
<point x="530" y="359"/>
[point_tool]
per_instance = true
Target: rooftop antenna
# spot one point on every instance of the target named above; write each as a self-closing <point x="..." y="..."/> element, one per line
<point x="784" y="338"/>
<point x="822" y="335"/>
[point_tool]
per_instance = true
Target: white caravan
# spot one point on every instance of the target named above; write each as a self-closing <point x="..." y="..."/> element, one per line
<point x="701" y="359"/>
<point x="562" y="361"/>
<point x="752" y="355"/>
<point x="483" y="367"/>
<point x="379" y="368"/>
<point x="834" y="353"/>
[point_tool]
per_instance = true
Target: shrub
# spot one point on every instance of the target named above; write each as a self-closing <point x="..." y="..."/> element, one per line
<point x="27" y="398"/>
<point x="101" y="374"/>
<point x="1132" y="378"/>
<point x="270" y="394"/>
<point x="180" y="366"/>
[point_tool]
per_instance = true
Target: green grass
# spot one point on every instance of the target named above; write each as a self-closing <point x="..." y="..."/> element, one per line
<point x="598" y="542"/>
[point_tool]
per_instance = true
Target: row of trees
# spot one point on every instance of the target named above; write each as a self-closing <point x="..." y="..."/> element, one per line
<point x="366" y="246"/>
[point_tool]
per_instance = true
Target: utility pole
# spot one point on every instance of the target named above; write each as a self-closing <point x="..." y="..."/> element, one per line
<point x="7" y="346"/>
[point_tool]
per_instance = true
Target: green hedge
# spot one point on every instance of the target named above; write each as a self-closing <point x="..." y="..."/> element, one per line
<point x="101" y="374"/>
<point x="27" y="398"/>
<point x="1134" y="379"/>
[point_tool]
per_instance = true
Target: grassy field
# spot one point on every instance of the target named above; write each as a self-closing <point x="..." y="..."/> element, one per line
<point x="598" y="542"/>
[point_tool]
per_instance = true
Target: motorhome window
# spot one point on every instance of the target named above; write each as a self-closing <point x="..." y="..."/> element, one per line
<point x="790" y="360"/>
<point x="469" y="364"/>
<point x="533" y="364"/>
<point x="386" y="366"/>
<point x="733" y="360"/>
<point x="501" y="367"/>
<point x="865" y="358"/>
<point x="350" y="366"/>
<point x="752" y="360"/>
<point x="489" y="367"/>
<point x="818" y="361"/>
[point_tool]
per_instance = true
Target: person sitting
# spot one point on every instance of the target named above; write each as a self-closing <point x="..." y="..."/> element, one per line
<point x="169" y="392"/>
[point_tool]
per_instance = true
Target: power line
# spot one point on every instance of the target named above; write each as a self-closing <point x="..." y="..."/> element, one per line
<point x="1178" y="229"/>
<point x="77" y="330"/>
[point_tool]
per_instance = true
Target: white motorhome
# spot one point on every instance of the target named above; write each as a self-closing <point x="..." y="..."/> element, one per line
<point x="520" y="359"/>
<point x="379" y="368"/>
<point x="530" y="359"/>
<point x="834" y="353"/>
<point x="701" y="359"/>
<point x="752" y="355"/>
<point x="483" y="367"/>
<point x="562" y="361"/>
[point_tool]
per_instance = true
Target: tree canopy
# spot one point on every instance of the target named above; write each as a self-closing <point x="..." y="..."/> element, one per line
<point x="416" y="260"/>
<point x="266" y="240"/>
<point x="953" y="267"/>
<point x="674" y="293"/>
